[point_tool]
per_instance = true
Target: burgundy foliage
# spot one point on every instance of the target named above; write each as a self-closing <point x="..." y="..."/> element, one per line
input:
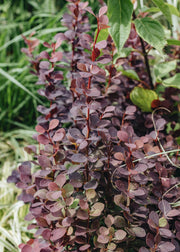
<point x="94" y="188"/>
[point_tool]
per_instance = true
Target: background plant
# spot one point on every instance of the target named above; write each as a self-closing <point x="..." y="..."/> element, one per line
<point x="96" y="185"/>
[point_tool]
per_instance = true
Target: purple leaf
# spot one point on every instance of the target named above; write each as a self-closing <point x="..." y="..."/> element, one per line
<point x="173" y="213"/>
<point x="27" y="248"/>
<point x="78" y="158"/>
<point x="139" y="232"/>
<point x="57" y="56"/>
<point x="44" y="161"/>
<point x="60" y="180"/>
<point x="160" y="123"/>
<point x="59" y="135"/>
<point x="57" y="234"/>
<point x="122" y="135"/>
<point x="102" y="44"/>
<point x="39" y="129"/>
<point x="53" y="124"/>
<point x="43" y="139"/>
<point x="84" y="247"/>
<point x="82" y="214"/>
<point x="120" y="235"/>
<point x="103" y="239"/>
<point x="91" y="185"/>
<point x="102" y="11"/>
<point x="166" y="247"/>
<point x="166" y="233"/>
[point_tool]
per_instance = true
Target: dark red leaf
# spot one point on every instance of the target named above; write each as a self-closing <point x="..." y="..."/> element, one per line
<point x="57" y="56"/>
<point x="40" y="129"/>
<point x="59" y="135"/>
<point x="43" y="139"/>
<point x="57" y="233"/>
<point x="123" y="135"/>
<point x="166" y="233"/>
<point x="84" y="247"/>
<point x="53" y="124"/>
<point x="82" y="214"/>
<point x="166" y="247"/>
<point x="60" y="180"/>
<point x="27" y="248"/>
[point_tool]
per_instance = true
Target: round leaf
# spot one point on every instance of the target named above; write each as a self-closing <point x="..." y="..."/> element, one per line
<point x="120" y="235"/>
<point x="53" y="124"/>
<point x="143" y="98"/>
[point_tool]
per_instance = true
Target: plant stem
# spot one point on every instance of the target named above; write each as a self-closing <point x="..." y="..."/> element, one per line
<point x="146" y="63"/>
<point x="145" y="58"/>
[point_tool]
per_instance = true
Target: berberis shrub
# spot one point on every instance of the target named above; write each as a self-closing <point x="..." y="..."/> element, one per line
<point x="101" y="179"/>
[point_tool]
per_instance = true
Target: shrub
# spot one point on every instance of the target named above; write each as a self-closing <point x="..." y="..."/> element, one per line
<point x="103" y="181"/>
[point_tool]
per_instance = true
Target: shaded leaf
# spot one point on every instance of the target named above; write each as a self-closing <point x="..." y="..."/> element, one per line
<point x="139" y="232"/>
<point x="78" y="158"/>
<point x="173" y="81"/>
<point x="84" y="247"/>
<point x="166" y="247"/>
<point x="43" y="139"/>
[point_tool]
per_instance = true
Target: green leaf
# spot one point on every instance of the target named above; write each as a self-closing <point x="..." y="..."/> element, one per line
<point x="162" y="69"/>
<point x="162" y="222"/>
<point x="143" y="98"/>
<point x="130" y="74"/>
<point x="173" y="81"/>
<point x="119" y="14"/>
<point x="173" y="10"/>
<point x="69" y="189"/>
<point x="74" y="204"/>
<point x="151" y="31"/>
<point x="103" y="34"/>
<point x="152" y="9"/>
<point x="173" y="42"/>
<point x="164" y="8"/>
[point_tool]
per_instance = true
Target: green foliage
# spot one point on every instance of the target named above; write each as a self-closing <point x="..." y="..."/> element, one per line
<point x="130" y="73"/>
<point x="173" y="81"/>
<point x="103" y="34"/>
<point x="164" y="8"/>
<point x="143" y="98"/>
<point x="119" y="13"/>
<point x="173" y="42"/>
<point x="18" y="94"/>
<point x="12" y="213"/>
<point x="162" y="69"/>
<point x="151" y="31"/>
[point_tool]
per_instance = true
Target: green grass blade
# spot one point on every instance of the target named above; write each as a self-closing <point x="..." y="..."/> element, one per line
<point x="17" y="83"/>
<point x="7" y="245"/>
<point x="19" y="37"/>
